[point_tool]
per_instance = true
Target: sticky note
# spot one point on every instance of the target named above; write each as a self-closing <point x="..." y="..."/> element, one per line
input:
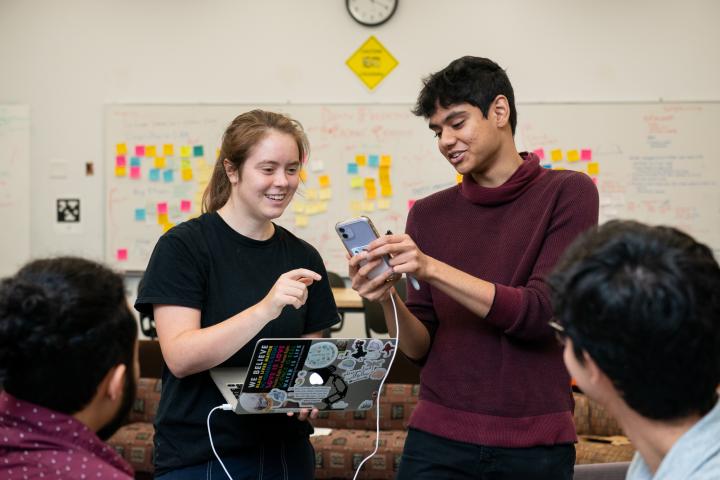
<point x="322" y="207"/>
<point x="121" y="148"/>
<point x="185" y="151"/>
<point x="410" y="204"/>
<point x="361" y="159"/>
<point x="135" y="172"/>
<point x="386" y="190"/>
<point x="150" y="151"/>
<point x="298" y="207"/>
<point x="356" y="205"/>
<point x="573" y="156"/>
<point x="162" y="207"/>
<point x="593" y="168"/>
<point x="373" y="160"/>
<point x="370" y="194"/>
<point x="311" y="194"/>
<point x="168" y="176"/>
<point x="368" y="206"/>
<point x="352" y="168"/>
<point x="120" y="171"/>
<point x="168" y="150"/>
<point x="154" y="175"/>
<point x="121" y="254"/>
<point x="546" y="165"/>
<point x="556" y="155"/>
<point x="186" y="174"/>
<point x="140" y="150"/>
<point x="162" y="218"/>
<point x="324" y="180"/>
<point x="558" y="168"/>
<point x="185" y="205"/>
<point x="369" y="182"/>
<point x="384" y="175"/>
<point x="134" y="161"/>
<point x="140" y="214"/>
<point x="167" y="226"/>
<point x="540" y="152"/>
<point x="586" y="154"/>
<point x="356" y="182"/>
<point x="185" y="163"/>
<point x="383" y="204"/>
<point x="385" y="161"/>
<point x="198" y="151"/>
<point x="325" y="194"/>
<point x="120" y="161"/>
<point x="302" y="220"/>
<point x="303" y="175"/>
<point x="159" y="162"/>
<point x="458" y="178"/>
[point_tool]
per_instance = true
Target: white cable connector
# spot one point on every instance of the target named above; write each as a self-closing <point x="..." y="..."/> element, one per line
<point x="377" y="401"/>
<point x="225" y="406"/>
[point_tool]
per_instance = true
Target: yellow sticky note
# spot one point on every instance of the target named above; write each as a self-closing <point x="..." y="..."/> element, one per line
<point x="204" y="175"/>
<point x="303" y="175"/>
<point x="370" y="194"/>
<point x="361" y="159"/>
<point x="368" y="206"/>
<point x="556" y="155"/>
<point x="302" y="220"/>
<point x="162" y="218"/>
<point x="322" y="207"/>
<point x="383" y="204"/>
<point x="120" y="171"/>
<point x="121" y="148"/>
<point x="369" y="182"/>
<point x="385" y="160"/>
<point x="167" y="226"/>
<point x="324" y="180"/>
<point x="593" y="168"/>
<point x="573" y="155"/>
<point x="298" y="207"/>
<point x="311" y="194"/>
<point x="168" y="150"/>
<point x="185" y="163"/>
<point x="325" y="194"/>
<point x="150" y="151"/>
<point x="186" y="174"/>
<point x="159" y="162"/>
<point x="356" y="206"/>
<point x="356" y="182"/>
<point x="185" y="150"/>
<point x="458" y="177"/>
<point x="386" y="190"/>
<point x="558" y="168"/>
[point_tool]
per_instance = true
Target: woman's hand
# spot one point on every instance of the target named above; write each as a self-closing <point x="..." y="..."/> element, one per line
<point x="304" y="413"/>
<point x="289" y="289"/>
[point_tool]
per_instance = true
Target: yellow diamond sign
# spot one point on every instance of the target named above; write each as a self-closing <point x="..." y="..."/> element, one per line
<point x="371" y="62"/>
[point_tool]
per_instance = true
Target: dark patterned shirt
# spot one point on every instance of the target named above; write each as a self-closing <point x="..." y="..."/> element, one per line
<point x="36" y="442"/>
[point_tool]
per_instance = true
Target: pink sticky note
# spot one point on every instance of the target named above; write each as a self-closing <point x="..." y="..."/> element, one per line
<point x="122" y="254"/>
<point x="135" y="172"/>
<point x="410" y="204"/>
<point x="140" y="150"/>
<point x="540" y="152"/>
<point x="162" y="208"/>
<point x="595" y="180"/>
<point x="586" y="154"/>
<point x="120" y="161"/>
<point x="185" y="205"/>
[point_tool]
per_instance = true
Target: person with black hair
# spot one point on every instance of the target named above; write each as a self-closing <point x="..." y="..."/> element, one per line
<point x="68" y="368"/>
<point x="638" y="310"/>
<point x="218" y="283"/>
<point x="495" y="397"/>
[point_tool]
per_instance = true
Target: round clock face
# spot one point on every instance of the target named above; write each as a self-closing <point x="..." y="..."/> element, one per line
<point x="371" y="12"/>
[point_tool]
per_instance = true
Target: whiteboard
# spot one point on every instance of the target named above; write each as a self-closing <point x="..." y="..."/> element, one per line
<point x="14" y="187"/>
<point x="650" y="161"/>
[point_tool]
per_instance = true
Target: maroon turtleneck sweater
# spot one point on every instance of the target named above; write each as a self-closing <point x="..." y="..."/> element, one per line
<point x="499" y="380"/>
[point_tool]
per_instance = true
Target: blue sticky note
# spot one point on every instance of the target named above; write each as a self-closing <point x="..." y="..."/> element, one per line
<point x="352" y="168"/>
<point x="154" y="174"/>
<point x="134" y="161"/>
<point x="168" y="176"/>
<point x="140" y="214"/>
<point x="373" y="160"/>
<point x="198" y="151"/>
<point x="547" y="165"/>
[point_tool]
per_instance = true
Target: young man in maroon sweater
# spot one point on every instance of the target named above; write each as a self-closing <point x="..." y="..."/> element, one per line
<point x="495" y="398"/>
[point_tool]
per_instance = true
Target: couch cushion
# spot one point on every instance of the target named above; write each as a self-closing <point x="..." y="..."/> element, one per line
<point x="146" y="400"/>
<point x="135" y="443"/>
<point x="592" y="419"/>
<point x="592" y="451"/>
<point x="397" y="402"/>
<point x="338" y="454"/>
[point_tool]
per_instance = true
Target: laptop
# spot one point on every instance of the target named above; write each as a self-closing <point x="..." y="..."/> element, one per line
<point x="288" y="374"/>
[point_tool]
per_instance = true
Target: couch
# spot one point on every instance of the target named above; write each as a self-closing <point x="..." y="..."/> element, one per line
<point x="342" y="440"/>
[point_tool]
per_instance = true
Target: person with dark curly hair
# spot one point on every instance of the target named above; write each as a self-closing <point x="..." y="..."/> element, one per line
<point x="68" y="370"/>
<point x="638" y="310"/>
<point x="495" y="397"/>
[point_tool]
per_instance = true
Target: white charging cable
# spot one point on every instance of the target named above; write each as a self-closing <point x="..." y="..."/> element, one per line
<point x="377" y="402"/>
<point x="225" y="406"/>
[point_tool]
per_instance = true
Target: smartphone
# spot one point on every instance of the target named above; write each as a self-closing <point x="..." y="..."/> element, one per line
<point x="356" y="234"/>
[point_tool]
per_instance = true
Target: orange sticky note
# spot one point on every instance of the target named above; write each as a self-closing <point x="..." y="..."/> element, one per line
<point x="573" y="155"/>
<point x="150" y="151"/>
<point x="324" y="180"/>
<point x="593" y="168"/>
<point x="168" y="150"/>
<point x="458" y="177"/>
<point x="120" y="171"/>
<point x="386" y="190"/>
<point x="361" y="159"/>
<point x="303" y="175"/>
<point x="186" y="174"/>
<point x="159" y="162"/>
<point x="121" y="149"/>
<point x="370" y="194"/>
<point x="385" y="161"/>
<point x="556" y="155"/>
<point x="370" y="182"/>
<point x="167" y="226"/>
<point x="162" y="218"/>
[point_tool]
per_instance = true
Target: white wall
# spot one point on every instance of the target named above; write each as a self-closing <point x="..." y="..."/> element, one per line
<point x="66" y="59"/>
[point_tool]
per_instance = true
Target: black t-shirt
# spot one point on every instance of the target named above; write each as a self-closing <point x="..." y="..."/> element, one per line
<point x="205" y="264"/>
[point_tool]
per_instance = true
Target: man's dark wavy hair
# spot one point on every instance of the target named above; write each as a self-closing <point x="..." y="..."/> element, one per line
<point x="644" y="303"/>
<point x="64" y="322"/>
<point x="474" y="80"/>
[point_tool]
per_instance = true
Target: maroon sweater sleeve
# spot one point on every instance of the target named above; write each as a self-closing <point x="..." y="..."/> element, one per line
<point x="523" y="311"/>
